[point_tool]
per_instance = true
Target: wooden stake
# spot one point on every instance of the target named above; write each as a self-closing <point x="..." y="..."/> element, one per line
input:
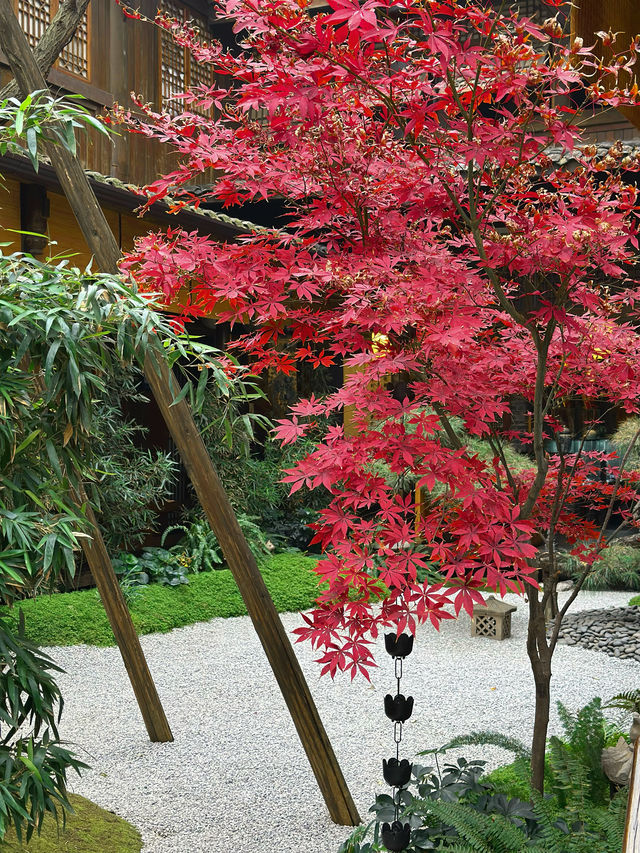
<point x="124" y="630"/>
<point x="260" y="607"/>
<point x="184" y="431"/>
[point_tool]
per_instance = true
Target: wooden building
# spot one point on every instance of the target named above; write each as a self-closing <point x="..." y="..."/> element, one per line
<point x="110" y="56"/>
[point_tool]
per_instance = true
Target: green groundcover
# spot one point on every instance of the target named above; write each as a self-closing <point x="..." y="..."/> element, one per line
<point x="90" y="830"/>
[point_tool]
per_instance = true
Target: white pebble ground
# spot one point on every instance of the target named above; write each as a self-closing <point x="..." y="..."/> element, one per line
<point x="236" y="779"/>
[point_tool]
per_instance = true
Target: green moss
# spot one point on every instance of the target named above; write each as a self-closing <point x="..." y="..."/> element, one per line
<point x="89" y="830"/>
<point x="635" y="601"/>
<point x="66" y="619"/>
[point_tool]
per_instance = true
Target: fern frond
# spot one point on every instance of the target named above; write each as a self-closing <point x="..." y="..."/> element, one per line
<point x="629" y="700"/>
<point x="492" y="738"/>
<point x="610" y="823"/>
<point x="480" y="833"/>
<point x="570" y="782"/>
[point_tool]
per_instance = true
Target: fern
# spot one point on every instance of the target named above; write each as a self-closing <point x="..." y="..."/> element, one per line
<point x="481" y="833"/>
<point x="570" y="778"/>
<point x="481" y="738"/>
<point x="627" y="701"/>
<point x="585" y="738"/>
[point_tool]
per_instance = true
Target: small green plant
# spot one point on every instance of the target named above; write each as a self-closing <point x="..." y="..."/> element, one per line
<point x="163" y="567"/>
<point x="199" y="544"/>
<point x="201" y="548"/>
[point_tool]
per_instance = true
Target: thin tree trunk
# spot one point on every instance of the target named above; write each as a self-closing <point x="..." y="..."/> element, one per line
<point x="540" y="657"/>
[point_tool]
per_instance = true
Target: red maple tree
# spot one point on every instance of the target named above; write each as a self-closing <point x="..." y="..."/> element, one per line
<point x="453" y="242"/>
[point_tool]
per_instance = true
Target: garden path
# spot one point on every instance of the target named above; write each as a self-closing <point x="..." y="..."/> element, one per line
<point x="236" y="779"/>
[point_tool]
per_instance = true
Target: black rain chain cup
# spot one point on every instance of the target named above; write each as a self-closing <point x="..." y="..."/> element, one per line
<point x="396" y="836"/>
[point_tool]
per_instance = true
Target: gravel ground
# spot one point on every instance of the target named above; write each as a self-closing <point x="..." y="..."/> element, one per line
<point x="236" y="779"/>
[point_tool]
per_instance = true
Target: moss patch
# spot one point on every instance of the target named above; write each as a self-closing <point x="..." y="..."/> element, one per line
<point x="89" y="830"/>
<point x="66" y="619"/>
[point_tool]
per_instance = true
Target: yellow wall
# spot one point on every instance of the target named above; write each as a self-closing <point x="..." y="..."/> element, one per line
<point x="9" y="215"/>
<point x="65" y="235"/>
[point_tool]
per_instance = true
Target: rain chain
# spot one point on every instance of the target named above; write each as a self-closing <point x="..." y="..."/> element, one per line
<point x="397" y="835"/>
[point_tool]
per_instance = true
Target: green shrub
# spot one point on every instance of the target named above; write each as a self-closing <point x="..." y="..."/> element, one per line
<point x="618" y="567"/>
<point x="622" y="438"/>
<point x="66" y="619"/>
<point x="512" y="780"/>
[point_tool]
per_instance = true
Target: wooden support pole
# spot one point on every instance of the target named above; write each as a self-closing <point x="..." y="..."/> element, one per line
<point x="124" y="630"/>
<point x="260" y="607"/>
<point x="210" y="492"/>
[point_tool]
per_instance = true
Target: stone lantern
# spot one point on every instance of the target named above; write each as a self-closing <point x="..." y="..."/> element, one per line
<point x="492" y="619"/>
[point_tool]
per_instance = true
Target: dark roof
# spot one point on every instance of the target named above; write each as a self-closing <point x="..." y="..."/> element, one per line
<point x="127" y="198"/>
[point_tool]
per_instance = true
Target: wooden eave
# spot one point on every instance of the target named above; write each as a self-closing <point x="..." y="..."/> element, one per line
<point x="115" y="195"/>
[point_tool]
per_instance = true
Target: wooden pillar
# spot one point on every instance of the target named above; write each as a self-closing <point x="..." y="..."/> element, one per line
<point x="620" y="16"/>
<point x="34" y="213"/>
<point x="124" y="630"/>
<point x="183" y="429"/>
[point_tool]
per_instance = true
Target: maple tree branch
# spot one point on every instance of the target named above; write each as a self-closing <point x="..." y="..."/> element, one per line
<point x="446" y="425"/>
<point x="496" y="445"/>
<point x="53" y="41"/>
<point x="542" y="465"/>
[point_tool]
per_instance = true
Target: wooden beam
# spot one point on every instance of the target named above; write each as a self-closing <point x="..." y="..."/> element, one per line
<point x="631" y="841"/>
<point x="124" y="630"/>
<point x="620" y="16"/>
<point x="210" y="492"/>
<point x="256" y="597"/>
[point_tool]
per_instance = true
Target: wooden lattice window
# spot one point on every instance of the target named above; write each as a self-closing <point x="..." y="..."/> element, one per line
<point x="35" y="15"/>
<point x="179" y="71"/>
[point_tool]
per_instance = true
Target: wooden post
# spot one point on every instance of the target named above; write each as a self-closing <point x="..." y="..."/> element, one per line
<point x="631" y="841"/>
<point x="260" y="607"/>
<point x="124" y="630"/>
<point x="185" y="433"/>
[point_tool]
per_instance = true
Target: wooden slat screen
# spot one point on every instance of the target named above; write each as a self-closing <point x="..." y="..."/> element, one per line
<point x="75" y="56"/>
<point x="179" y="71"/>
<point x="35" y="15"/>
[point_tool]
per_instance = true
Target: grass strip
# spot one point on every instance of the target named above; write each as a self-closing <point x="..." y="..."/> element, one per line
<point x="89" y="830"/>
<point x="71" y="618"/>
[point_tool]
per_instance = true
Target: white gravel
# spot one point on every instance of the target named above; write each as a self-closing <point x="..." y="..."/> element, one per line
<point x="236" y="779"/>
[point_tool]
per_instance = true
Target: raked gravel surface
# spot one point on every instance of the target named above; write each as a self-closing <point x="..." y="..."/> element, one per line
<point x="236" y="779"/>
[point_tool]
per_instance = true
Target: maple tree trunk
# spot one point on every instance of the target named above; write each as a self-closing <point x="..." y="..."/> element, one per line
<point x="540" y="656"/>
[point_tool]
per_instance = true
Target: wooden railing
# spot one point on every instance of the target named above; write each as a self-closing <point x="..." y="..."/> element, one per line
<point x="631" y="843"/>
